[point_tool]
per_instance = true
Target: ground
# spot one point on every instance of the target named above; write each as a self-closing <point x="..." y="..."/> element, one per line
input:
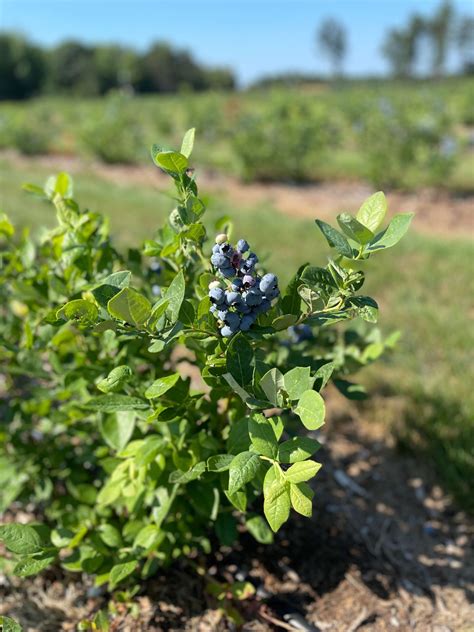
<point x="386" y="550"/>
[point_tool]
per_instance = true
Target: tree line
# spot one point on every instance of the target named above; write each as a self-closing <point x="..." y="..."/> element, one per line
<point x="75" y="68"/>
<point x="440" y="34"/>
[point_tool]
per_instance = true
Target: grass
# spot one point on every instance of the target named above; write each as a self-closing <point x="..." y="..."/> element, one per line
<point x="423" y="287"/>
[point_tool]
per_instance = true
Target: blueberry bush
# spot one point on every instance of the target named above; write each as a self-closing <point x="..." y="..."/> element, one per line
<point x="160" y="401"/>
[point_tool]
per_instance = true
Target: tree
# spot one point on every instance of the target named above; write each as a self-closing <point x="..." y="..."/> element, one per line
<point x="116" y="67"/>
<point x="465" y="42"/>
<point x="332" y="40"/>
<point x="72" y="69"/>
<point x="22" y="68"/>
<point x="440" y="28"/>
<point x="399" y="50"/>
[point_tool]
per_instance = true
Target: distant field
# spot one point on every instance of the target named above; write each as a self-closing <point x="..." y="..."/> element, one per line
<point x="424" y="289"/>
<point x="393" y="134"/>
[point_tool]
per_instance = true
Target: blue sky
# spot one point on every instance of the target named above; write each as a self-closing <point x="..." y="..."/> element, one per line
<point x="254" y="37"/>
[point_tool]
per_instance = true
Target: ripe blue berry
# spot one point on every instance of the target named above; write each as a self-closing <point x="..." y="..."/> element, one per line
<point x="268" y="282"/>
<point x="217" y="295"/>
<point x="236" y="284"/>
<point x="233" y="298"/>
<point x="253" y="297"/>
<point x="219" y="260"/>
<point x="233" y="320"/>
<point x="226" y="331"/>
<point x="242" y="245"/>
<point x="247" y="321"/>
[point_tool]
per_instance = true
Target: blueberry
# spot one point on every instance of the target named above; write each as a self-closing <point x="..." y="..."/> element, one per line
<point x="268" y="282"/>
<point x="233" y="298"/>
<point x="247" y="321"/>
<point x="228" y="272"/>
<point x="246" y="267"/>
<point x="263" y="307"/>
<point x="227" y="250"/>
<point x="242" y="245"/>
<point x="273" y="293"/>
<point x="221" y="238"/>
<point x="216" y="249"/>
<point x="214" y="284"/>
<point x="219" y="260"/>
<point x="236" y="284"/>
<point x="217" y="295"/>
<point x="252" y="257"/>
<point x="248" y="280"/>
<point x="213" y="310"/>
<point x="226" y="331"/>
<point x="253" y="297"/>
<point x="242" y="307"/>
<point x="233" y="320"/>
<point x="222" y="314"/>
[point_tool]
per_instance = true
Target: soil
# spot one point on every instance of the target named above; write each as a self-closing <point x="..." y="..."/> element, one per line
<point x="386" y="550"/>
<point x="438" y="212"/>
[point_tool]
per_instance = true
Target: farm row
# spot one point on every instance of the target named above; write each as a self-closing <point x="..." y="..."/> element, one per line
<point x="392" y="135"/>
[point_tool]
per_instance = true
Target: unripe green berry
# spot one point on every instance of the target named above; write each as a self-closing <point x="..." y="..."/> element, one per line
<point x="221" y="238"/>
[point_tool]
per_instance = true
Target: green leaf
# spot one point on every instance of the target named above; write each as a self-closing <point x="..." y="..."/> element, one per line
<point x="110" y="535"/>
<point x="9" y="625"/>
<point x="283" y="322"/>
<point x="148" y="537"/>
<point x="372" y="211"/>
<point x="115" y="379"/>
<point x="175" y="295"/>
<point x="85" y="312"/>
<point x="242" y="470"/>
<point x="240" y="360"/>
<point x="113" y="403"/>
<point x="188" y="142"/>
<point x="120" y="571"/>
<point x="302" y="471"/>
<point x="311" y="410"/>
<point x="297" y="449"/>
<point x="276" y="504"/>
<point x="118" y="428"/>
<point x="20" y="538"/>
<point x="392" y="234"/>
<point x="219" y="462"/>
<point x="195" y="472"/>
<point x="262" y="436"/>
<point x="354" y="229"/>
<point x="365" y="307"/>
<point x="335" y="239"/>
<point x="271" y="383"/>
<point x="171" y="161"/>
<point x="6" y="227"/>
<point x="297" y="381"/>
<point x="226" y="529"/>
<point x="32" y="565"/>
<point x="161" y="386"/>
<point x="320" y="280"/>
<point x="258" y="528"/>
<point x="301" y="496"/>
<point x="324" y="374"/>
<point x="111" y="286"/>
<point x="130" y="306"/>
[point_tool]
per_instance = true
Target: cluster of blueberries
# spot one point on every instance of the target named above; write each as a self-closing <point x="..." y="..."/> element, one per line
<point x="246" y="295"/>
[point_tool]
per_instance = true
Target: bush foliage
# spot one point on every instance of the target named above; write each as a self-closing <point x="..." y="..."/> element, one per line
<point x="137" y="431"/>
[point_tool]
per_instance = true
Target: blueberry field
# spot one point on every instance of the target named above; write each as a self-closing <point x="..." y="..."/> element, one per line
<point x="235" y="334"/>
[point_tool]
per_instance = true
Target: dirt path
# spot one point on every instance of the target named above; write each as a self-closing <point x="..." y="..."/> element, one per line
<point x="437" y="212"/>
<point x="385" y="551"/>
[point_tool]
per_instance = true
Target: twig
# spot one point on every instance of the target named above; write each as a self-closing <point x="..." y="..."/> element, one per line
<point x="281" y="624"/>
<point x="358" y="621"/>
